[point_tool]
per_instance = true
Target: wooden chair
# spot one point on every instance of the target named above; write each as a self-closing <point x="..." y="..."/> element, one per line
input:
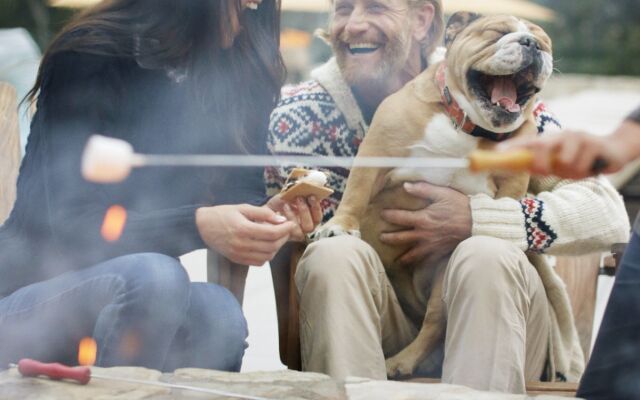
<point x="9" y="148"/>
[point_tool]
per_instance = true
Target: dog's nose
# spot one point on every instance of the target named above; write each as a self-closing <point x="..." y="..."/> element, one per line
<point x="528" y="41"/>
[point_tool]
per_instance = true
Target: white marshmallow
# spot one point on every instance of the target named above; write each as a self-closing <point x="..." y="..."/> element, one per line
<point x="314" y="177"/>
<point x="106" y="160"/>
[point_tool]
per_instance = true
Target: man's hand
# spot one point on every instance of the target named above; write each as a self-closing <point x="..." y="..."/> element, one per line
<point x="434" y="231"/>
<point x="305" y="213"/>
<point x="243" y="233"/>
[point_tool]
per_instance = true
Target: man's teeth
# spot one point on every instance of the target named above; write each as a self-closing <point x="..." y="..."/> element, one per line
<point x="253" y="6"/>
<point x="363" y="46"/>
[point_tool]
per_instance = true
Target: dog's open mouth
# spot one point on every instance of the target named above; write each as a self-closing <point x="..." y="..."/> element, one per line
<point x="507" y="93"/>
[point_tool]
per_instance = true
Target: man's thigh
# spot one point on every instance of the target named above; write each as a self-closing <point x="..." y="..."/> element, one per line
<point x="497" y="317"/>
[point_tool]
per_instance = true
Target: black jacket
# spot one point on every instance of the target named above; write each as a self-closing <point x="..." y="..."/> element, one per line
<point x="55" y="224"/>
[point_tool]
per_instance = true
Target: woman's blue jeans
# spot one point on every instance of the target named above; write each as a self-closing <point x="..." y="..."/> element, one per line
<point x="613" y="371"/>
<point x="141" y="309"/>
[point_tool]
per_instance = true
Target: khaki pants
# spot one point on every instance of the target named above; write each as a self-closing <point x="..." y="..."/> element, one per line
<point x="497" y="314"/>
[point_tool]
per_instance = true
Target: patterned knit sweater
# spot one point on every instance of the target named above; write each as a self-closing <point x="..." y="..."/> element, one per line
<point x="559" y="217"/>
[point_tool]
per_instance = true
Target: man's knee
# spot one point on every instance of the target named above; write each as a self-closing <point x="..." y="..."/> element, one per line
<point x="337" y="260"/>
<point x="483" y="263"/>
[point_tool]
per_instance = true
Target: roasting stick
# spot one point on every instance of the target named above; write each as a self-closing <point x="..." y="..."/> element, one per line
<point x="82" y="375"/>
<point x="109" y="160"/>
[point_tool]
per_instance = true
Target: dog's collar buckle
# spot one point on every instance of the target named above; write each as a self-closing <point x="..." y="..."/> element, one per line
<point x="460" y="125"/>
<point x="447" y="95"/>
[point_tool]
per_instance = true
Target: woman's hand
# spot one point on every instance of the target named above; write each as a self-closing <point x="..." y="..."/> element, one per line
<point x="306" y="213"/>
<point x="243" y="233"/>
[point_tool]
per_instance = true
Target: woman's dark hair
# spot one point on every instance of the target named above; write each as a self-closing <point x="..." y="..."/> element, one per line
<point x="237" y="79"/>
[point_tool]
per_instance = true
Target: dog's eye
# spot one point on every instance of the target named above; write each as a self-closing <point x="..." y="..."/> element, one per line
<point x="497" y="32"/>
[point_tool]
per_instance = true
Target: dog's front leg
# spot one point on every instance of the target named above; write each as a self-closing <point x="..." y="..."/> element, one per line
<point x="363" y="184"/>
<point x="404" y="363"/>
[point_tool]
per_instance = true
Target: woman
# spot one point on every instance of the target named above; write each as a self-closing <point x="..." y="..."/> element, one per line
<point x="169" y="77"/>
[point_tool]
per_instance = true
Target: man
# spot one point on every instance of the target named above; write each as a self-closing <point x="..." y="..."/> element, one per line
<point x="502" y="327"/>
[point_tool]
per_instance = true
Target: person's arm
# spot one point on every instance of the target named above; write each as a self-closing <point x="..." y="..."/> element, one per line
<point x="562" y="217"/>
<point x="81" y="98"/>
<point x="574" y="154"/>
<point x="297" y="128"/>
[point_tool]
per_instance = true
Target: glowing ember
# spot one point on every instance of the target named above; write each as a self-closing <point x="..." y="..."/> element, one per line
<point x="114" y="222"/>
<point x="87" y="351"/>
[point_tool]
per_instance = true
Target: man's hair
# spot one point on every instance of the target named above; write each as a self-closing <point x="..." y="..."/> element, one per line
<point x="434" y="37"/>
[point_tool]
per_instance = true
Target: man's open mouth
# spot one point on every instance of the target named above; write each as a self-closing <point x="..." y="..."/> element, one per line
<point x="363" y="48"/>
<point x="507" y="93"/>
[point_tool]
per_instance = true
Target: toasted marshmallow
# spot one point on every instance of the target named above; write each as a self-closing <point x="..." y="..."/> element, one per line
<point x="315" y="178"/>
<point x="106" y="160"/>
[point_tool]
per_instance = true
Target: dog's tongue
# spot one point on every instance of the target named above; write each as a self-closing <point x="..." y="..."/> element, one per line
<point x="504" y="93"/>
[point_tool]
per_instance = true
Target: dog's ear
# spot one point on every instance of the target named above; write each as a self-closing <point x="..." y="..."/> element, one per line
<point x="457" y="23"/>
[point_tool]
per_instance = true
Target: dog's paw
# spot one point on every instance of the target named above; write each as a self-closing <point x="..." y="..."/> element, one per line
<point x="327" y="231"/>
<point x="400" y="367"/>
<point x="336" y="226"/>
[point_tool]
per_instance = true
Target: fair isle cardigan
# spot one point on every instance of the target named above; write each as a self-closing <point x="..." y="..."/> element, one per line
<point x="559" y="217"/>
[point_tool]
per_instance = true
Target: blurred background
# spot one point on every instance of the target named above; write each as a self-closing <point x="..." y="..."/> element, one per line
<point x="596" y="84"/>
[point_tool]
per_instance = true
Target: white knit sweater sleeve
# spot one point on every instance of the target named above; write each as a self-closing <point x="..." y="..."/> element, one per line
<point x="560" y="217"/>
<point x="566" y="218"/>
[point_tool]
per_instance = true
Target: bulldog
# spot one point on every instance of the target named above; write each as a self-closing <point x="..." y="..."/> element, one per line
<point x="483" y="92"/>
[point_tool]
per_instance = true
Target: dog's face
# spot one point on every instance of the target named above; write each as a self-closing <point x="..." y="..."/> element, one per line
<point x="496" y="65"/>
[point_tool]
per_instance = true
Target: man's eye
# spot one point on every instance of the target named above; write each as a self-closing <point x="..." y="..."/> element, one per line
<point x="377" y="8"/>
<point x="343" y="9"/>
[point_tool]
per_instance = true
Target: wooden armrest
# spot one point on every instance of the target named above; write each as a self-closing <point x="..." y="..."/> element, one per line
<point x="612" y="262"/>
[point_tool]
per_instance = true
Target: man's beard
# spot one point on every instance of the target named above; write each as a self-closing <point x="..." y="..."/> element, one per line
<point x="395" y="54"/>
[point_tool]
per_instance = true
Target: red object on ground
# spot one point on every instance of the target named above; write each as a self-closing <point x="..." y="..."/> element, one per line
<point x="55" y="371"/>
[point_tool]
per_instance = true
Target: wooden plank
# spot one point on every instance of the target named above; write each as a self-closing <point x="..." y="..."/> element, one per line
<point x="9" y="149"/>
<point x="226" y="273"/>
<point x="280" y="274"/>
<point x="563" y="389"/>
<point x="580" y="274"/>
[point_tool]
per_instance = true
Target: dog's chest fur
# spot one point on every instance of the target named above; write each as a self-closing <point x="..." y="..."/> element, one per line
<point x="442" y="140"/>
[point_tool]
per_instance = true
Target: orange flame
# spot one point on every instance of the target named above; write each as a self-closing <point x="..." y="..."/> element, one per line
<point x="87" y="351"/>
<point x="114" y="221"/>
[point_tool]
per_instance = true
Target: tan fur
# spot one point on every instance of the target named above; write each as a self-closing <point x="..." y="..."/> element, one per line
<point x="399" y="123"/>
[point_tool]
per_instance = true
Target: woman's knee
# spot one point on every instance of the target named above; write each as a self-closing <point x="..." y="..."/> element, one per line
<point x="217" y="327"/>
<point x="155" y="279"/>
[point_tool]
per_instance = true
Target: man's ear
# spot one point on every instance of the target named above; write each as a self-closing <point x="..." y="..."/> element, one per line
<point x="423" y="19"/>
<point x="457" y="23"/>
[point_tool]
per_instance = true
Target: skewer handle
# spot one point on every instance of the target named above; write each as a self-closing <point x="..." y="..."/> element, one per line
<point x="514" y="160"/>
<point x="55" y="371"/>
<point x="485" y="160"/>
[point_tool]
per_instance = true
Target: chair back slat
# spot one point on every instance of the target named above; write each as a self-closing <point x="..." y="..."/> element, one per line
<point x="580" y="275"/>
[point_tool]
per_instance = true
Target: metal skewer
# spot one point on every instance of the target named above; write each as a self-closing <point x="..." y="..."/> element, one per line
<point x="218" y="160"/>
